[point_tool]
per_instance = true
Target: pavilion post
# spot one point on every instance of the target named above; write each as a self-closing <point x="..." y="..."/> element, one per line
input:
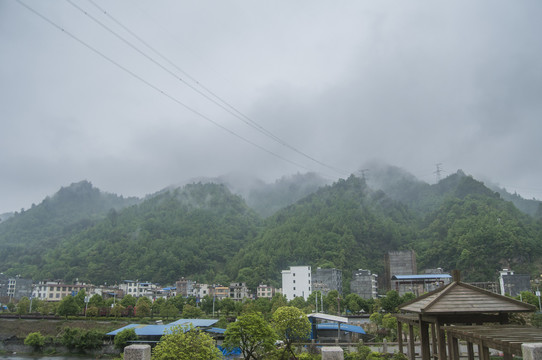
<point x="470" y="351"/>
<point x="441" y="340"/>
<point x="483" y="352"/>
<point x="434" y="347"/>
<point x="424" y="332"/>
<point x="411" y="342"/>
<point x="400" y="336"/>
<point x="455" y="348"/>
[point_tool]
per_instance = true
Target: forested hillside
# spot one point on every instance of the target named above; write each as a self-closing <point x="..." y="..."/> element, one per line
<point x="207" y="233"/>
<point x="27" y="235"/>
<point x="191" y="231"/>
<point x="346" y="225"/>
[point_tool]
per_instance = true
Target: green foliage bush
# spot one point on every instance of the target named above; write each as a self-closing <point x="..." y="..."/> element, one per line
<point x="186" y="344"/>
<point x="35" y="339"/>
<point x="81" y="340"/>
<point x="123" y="337"/>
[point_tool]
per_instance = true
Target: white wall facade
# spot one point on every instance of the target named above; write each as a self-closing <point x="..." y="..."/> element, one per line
<point x="297" y="282"/>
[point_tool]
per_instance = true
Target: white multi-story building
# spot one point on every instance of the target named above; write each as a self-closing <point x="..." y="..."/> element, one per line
<point x="138" y="289"/>
<point x="200" y="291"/>
<point x="56" y="290"/>
<point x="296" y="282"/>
<point x="265" y="291"/>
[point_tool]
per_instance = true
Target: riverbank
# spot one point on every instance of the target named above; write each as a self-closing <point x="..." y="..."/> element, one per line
<point x="20" y="328"/>
<point x="14" y="331"/>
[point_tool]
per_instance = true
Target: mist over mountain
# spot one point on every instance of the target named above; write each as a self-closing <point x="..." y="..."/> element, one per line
<point x="267" y="198"/>
<point x="226" y="229"/>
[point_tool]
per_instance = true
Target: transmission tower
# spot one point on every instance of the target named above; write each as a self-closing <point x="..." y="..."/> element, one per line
<point x="438" y="172"/>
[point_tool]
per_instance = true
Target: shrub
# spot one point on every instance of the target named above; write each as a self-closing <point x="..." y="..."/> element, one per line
<point x="123" y="337"/>
<point x="70" y="337"/>
<point x="75" y="338"/>
<point x="35" y="339"/>
<point x="92" y="339"/>
<point x="186" y="344"/>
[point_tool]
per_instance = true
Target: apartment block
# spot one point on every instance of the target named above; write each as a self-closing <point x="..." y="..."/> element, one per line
<point x="297" y="282"/>
<point x="364" y="284"/>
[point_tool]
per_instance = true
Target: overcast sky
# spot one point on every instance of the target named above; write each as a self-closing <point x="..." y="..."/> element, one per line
<point x="321" y="86"/>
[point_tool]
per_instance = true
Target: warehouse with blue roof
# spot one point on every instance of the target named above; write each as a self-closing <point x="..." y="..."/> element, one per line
<point x="151" y="334"/>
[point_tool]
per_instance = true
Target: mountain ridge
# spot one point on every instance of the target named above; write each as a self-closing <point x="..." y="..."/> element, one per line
<point x="210" y="233"/>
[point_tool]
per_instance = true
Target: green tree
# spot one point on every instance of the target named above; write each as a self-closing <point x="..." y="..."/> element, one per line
<point x="23" y="306"/>
<point x="184" y="343"/>
<point x="376" y="318"/>
<point x="332" y="301"/>
<point x="143" y="310"/>
<point x="528" y="297"/>
<point x="97" y="301"/>
<point x="93" y="311"/>
<point x="389" y="322"/>
<point x="252" y="334"/>
<point x="207" y="304"/>
<point x="128" y="300"/>
<point x="391" y="301"/>
<point x="407" y="297"/>
<point x="177" y="301"/>
<point x="157" y="305"/>
<point x="261" y="305"/>
<point x="123" y="337"/>
<point x="143" y="307"/>
<point x="117" y="310"/>
<point x="68" y="306"/>
<point x="191" y="312"/>
<point x="352" y="303"/>
<point x="278" y="301"/>
<point x="35" y="339"/>
<point x="227" y="306"/>
<point x="170" y="310"/>
<point x="290" y="325"/>
<point x="298" y="302"/>
<point x="80" y="298"/>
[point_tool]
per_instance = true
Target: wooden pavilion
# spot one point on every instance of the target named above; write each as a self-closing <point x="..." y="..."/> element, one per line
<point x="458" y="304"/>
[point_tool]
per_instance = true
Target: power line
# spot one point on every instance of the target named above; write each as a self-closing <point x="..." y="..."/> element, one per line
<point x="223" y="104"/>
<point x="156" y="88"/>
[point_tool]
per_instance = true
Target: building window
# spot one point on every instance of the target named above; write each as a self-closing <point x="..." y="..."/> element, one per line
<point x="294" y="287"/>
<point x="294" y="281"/>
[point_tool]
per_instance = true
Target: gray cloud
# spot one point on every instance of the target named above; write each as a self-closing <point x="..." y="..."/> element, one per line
<point x="413" y="84"/>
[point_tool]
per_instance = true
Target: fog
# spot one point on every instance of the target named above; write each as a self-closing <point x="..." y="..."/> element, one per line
<point x="118" y="93"/>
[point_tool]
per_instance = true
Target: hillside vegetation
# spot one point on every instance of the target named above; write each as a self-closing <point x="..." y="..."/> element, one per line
<point x="205" y="232"/>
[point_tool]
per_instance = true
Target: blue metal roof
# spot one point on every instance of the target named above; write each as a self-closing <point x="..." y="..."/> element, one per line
<point x="421" y="277"/>
<point x="159" y="330"/>
<point x="344" y="327"/>
<point x="216" y="330"/>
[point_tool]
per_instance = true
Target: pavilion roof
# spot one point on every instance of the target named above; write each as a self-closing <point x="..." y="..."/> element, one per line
<point x="460" y="298"/>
